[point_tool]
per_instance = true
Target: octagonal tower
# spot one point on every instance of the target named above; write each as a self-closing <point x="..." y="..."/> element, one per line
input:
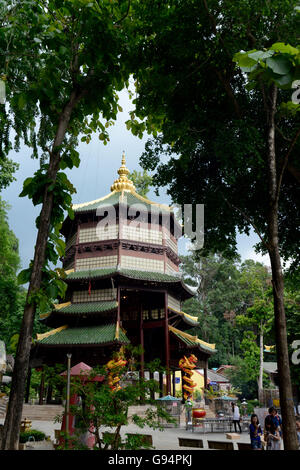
<point x="124" y="285"/>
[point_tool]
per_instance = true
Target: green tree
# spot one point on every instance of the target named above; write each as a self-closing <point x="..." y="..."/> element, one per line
<point x="276" y="68"/>
<point x="256" y="283"/>
<point x="217" y="302"/>
<point x="142" y="181"/>
<point x="64" y="63"/>
<point x="241" y="377"/>
<point x="108" y="408"/>
<point x="12" y="295"/>
<point x="196" y="101"/>
<point x="9" y="247"/>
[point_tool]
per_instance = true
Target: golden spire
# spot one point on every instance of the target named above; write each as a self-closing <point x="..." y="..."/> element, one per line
<point x="123" y="183"/>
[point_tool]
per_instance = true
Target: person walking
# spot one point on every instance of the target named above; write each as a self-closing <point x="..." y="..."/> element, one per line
<point x="278" y="421"/>
<point x="236" y="416"/>
<point x="255" y="433"/>
<point x="272" y="430"/>
<point x="188" y="413"/>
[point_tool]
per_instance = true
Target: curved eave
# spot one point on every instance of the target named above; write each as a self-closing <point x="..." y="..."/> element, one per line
<point x="150" y="276"/>
<point x="81" y="308"/>
<point x="143" y="276"/>
<point x="193" y="341"/>
<point x="84" y="336"/>
<point x="188" y="319"/>
<point x="116" y="197"/>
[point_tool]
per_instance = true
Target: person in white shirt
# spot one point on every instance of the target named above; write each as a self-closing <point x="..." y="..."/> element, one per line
<point x="236" y="417"/>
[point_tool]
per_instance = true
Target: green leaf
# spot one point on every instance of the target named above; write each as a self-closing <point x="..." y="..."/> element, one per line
<point x="244" y="61"/>
<point x="21" y="101"/>
<point x="285" y="48"/>
<point x="289" y="108"/>
<point x="260" y="55"/>
<point x="60" y="247"/>
<point x="284" y="80"/>
<point x="24" y="276"/>
<point x="279" y="64"/>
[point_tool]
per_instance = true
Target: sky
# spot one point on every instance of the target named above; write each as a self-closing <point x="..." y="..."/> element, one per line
<point x="92" y="180"/>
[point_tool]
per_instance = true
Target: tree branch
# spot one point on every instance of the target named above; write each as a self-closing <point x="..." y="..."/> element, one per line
<point x="248" y="219"/>
<point x="282" y="134"/>
<point x="124" y="16"/>
<point x="226" y="83"/>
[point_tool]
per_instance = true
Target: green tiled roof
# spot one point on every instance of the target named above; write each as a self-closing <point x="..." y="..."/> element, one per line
<point x="194" y="344"/>
<point x="149" y="276"/>
<point x="132" y="273"/>
<point x="88" y="307"/>
<point x="113" y="199"/>
<point x="189" y="319"/>
<point x="104" y="272"/>
<point x="85" y="335"/>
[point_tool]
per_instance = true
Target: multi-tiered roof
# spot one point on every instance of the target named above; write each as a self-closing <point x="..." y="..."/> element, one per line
<point x="123" y="278"/>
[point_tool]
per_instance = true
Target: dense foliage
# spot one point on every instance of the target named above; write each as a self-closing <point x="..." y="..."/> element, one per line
<point x="63" y="64"/>
<point x="12" y="295"/>
<point x="194" y="99"/>
<point x="107" y="407"/>
<point x="32" y="435"/>
<point x="233" y="299"/>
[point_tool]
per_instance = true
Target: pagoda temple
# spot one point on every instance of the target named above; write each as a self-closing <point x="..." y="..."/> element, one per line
<point x="124" y="286"/>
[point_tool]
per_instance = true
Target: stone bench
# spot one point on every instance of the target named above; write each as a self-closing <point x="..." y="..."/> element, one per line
<point x="219" y="445"/>
<point x="189" y="442"/>
<point x="244" y="446"/>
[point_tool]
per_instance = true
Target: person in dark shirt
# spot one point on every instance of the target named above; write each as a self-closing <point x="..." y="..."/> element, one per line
<point x="272" y="430"/>
<point x="255" y="433"/>
<point x="277" y="420"/>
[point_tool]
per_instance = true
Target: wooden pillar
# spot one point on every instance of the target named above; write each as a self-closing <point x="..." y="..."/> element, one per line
<point x="152" y="393"/>
<point x="167" y="346"/>
<point x="49" y="394"/>
<point x="174" y="384"/>
<point x="28" y="385"/>
<point x="182" y="383"/>
<point x="161" y="385"/>
<point x="42" y="388"/>
<point x="205" y="375"/>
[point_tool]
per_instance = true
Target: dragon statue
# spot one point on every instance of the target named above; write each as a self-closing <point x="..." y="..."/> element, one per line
<point x="187" y="365"/>
<point x="113" y="367"/>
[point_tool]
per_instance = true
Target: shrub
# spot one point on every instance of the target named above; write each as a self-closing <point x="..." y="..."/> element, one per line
<point x="32" y="433"/>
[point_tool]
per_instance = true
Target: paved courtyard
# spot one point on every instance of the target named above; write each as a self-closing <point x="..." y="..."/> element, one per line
<point x="162" y="440"/>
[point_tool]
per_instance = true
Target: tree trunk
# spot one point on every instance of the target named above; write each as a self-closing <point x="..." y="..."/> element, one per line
<point x="285" y="385"/>
<point x="28" y="385"/>
<point x="49" y="394"/>
<point x="13" y="417"/>
<point x="42" y="388"/>
<point x="261" y="363"/>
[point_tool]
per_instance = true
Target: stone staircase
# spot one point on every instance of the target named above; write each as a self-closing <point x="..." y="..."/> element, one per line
<point x="49" y="412"/>
<point x="34" y="412"/>
<point x="41" y="412"/>
<point x="139" y="410"/>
